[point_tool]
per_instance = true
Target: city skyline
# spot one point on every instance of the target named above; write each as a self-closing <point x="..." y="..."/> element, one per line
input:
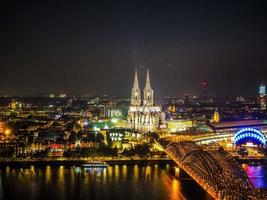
<point x="94" y="48"/>
<point x="133" y="99"/>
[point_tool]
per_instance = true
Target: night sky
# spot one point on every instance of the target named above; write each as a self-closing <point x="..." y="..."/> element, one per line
<point x="93" y="48"/>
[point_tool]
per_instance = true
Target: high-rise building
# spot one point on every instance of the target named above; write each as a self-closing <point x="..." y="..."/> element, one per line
<point x="143" y="117"/>
<point x="262" y="96"/>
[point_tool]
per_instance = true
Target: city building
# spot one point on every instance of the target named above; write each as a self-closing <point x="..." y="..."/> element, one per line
<point x="174" y="126"/>
<point x="262" y="96"/>
<point x="233" y="126"/>
<point x="62" y="96"/>
<point x="16" y="104"/>
<point x="2" y="127"/>
<point x="216" y="117"/>
<point x="143" y="115"/>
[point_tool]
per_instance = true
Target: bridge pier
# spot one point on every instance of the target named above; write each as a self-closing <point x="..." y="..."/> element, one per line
<point x="179" y="173"/>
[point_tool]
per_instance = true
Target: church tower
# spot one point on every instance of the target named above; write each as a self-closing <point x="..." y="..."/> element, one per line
<point x="216" y="117"/>
<point x="143" y="116"/>
<point x="148" y="92"/>
<point x="136" y="95"/>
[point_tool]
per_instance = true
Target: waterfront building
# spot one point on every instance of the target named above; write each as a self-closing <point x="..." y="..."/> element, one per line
<point x="143" y="115"/>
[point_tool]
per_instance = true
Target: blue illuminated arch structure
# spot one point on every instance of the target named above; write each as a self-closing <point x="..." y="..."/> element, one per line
<point x="249" y="133"/>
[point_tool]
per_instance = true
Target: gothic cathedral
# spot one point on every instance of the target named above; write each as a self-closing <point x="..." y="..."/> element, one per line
<point x="143" y="116"/>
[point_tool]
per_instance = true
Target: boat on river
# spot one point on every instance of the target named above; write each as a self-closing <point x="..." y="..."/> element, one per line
<point x="95" y="164"/>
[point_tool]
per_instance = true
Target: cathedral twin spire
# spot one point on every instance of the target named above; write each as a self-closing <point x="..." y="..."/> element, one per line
<point x="147" y="86"/>
<point x="136" y="83"/>
<point x="136" y="94"/>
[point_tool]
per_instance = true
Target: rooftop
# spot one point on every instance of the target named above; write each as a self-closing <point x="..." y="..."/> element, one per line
<point x="237" y="124"/>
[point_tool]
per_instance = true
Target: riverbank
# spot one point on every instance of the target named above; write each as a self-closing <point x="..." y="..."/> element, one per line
<point x="110" y="161"/>
<point x="77" y="162"/>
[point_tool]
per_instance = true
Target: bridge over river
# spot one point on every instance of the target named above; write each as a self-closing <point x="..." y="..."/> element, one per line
<point x="216" y="171"/>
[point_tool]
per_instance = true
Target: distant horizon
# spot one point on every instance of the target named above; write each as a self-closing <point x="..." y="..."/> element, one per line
<point x="141" y="84"/>
<point x="57" y="95"/>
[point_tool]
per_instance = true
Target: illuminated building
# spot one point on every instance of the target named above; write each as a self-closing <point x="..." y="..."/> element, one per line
<point x="172" y="109"/>
<point x="15" y="104"/>
<point x="113" y="113"/>
<point x="262" y="96"/>
<point x="216" y="117"/>
<point x="62" y="96"/>
<point x="56" y="150"/>
<point x="38" y="147"/>
<point x="143" y="117"/>
<point x="122" y="138"/>
<point x="2" y="127"/>
<point x="240" y="132"/>
<point x="249" y="135"/>
<point x="174" y="126"/>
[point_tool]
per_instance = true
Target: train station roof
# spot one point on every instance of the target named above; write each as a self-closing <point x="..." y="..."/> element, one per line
<point x="238" y="124"/>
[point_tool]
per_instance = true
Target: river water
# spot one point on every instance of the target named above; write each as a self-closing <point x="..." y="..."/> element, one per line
<point x="120" y="182"/>
<point x="257" y="175"/>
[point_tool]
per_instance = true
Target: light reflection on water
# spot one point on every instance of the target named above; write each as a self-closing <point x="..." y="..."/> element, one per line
<point x="115" y="182"/>
<point x="257" y="175"/>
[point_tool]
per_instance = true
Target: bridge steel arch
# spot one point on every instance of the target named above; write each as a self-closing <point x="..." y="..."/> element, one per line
<point x="217" y="172"/>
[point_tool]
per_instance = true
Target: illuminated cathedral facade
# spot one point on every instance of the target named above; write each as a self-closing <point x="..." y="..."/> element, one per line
<point x="143" y="115"/>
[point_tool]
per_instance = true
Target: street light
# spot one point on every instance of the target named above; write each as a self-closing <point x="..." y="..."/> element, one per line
<point x="7" y="132"/>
